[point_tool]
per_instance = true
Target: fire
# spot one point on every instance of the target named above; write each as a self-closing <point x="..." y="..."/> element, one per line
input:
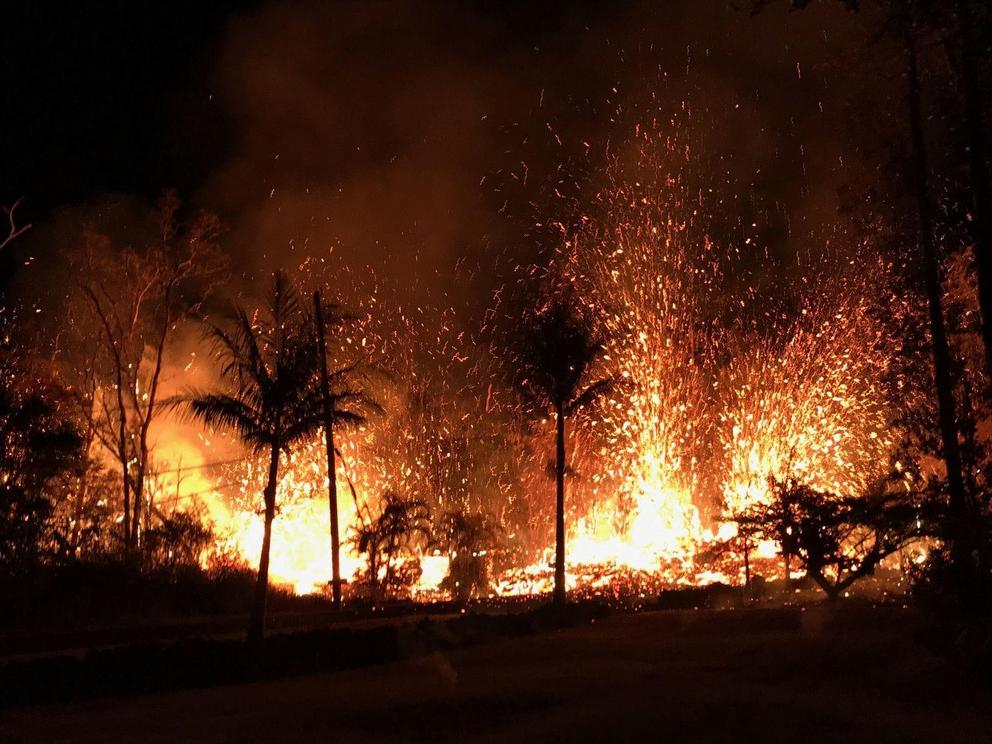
<point x="719" y="391"/>
<point x="811" y="404"/>
<point x="718" y="398"/>
<point x="301" y="549"/>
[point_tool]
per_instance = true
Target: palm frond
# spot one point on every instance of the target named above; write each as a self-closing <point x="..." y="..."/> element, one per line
<point x="591" y="394"/>
<point x="557" y="348"/>
<point x="218" y="410"/>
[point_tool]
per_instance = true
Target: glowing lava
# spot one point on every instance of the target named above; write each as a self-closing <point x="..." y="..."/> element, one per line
<point x="718" y="393"/>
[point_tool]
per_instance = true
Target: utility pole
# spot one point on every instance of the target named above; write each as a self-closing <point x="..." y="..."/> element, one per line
<point x="332" y="485"/>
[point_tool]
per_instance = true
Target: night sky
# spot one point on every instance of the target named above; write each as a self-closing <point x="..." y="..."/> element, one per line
<point x="93" y="94"/>
<point x="119" y="97"/>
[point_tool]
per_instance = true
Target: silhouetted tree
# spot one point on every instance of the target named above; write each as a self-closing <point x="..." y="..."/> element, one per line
<point x="468" y="540"/>
<point x="14" y="230"/>
<point x="177" y="541"/>
<point x="942" y="358"/>
<point x="556" y="357"/>
<point x="134" y="299"/>
<point x="981" y="195"/>
<point x="909" y="22"/>
<point x="82" y="522"/>
<point x="39" y="446"/>
<point x="270" y="399"/>
<point x="384" y="538"/>
<point x="836" y="540"/>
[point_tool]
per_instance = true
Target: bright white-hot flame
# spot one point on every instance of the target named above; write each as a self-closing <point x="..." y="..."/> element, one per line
<point x="715" y="398"/>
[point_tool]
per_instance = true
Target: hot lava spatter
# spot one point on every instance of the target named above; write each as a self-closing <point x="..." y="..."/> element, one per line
<point x="719" y="392"/>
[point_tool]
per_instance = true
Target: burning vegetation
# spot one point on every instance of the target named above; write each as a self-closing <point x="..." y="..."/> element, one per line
<point x="686" y="396"/>
<point x="653" y="400"/>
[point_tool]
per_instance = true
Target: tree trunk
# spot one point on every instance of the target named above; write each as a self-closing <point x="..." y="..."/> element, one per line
<point x="332" y="485"/>
<point x="122" y="445"/>
<point x="559" y="592"/>
<point x="978" y="171"/>
<point x="75" y="534"/>
<point x="145" y="419"/>
<point x="138" y="506"/>
<point x="387" y="579"/>
<point x="747" y="564"/>
<point x="256" y="621"/>
<point x="374" y="572"/>
<point x="941" y="348"/>
<point x="75" y="531"/>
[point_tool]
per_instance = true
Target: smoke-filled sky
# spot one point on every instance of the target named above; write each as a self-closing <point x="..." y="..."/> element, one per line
<point x="420" y="136"/>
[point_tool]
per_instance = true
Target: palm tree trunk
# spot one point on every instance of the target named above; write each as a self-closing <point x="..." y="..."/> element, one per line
<point x="559" y="592"/>
<point x="256" y="621"/>
<point x="938" y="332"/>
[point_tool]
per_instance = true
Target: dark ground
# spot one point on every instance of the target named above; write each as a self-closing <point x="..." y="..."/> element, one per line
<point x="678" y="676"/>
<point x="27" y="645"/>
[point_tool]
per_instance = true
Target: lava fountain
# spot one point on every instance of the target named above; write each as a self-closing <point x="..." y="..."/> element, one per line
<point x="720" y="391"/>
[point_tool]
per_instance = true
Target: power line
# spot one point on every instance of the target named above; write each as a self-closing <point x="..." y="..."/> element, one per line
<point x="173" y="498"/>
<point x="215" y="464"/>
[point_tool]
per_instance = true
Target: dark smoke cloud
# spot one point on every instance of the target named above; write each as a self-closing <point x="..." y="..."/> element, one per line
<point x="419" y="136"/>
<point x="367" y="127"/>
<point x="400" y="132"/>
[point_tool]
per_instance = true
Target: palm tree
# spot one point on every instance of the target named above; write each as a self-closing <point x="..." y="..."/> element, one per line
<point x="270" y="399"/>
<point x="385" y="537"/>
<point x="468" y="538"/>
<point x="559" y="350"/>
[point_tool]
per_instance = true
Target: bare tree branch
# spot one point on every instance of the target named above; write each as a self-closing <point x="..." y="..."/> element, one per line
<point x="13" y="231"/>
